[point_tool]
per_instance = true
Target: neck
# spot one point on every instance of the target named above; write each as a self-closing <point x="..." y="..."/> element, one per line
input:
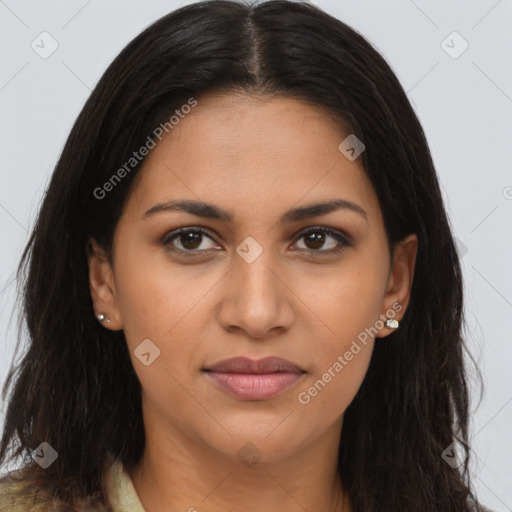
<point x="177" y="473"/>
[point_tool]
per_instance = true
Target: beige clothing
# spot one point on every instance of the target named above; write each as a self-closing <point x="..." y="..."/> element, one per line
<point x="18" y="494"/>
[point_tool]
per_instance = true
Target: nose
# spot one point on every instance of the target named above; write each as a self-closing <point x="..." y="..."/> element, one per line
<point x="256" y="300"/>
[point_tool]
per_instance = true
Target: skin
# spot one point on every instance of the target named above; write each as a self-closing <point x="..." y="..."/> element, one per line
<point x="256" y="158"/>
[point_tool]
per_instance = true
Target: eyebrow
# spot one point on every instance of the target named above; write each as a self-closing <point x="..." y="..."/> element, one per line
<point x="207" y="210"/>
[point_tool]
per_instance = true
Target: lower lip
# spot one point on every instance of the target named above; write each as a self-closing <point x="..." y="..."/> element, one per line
<point x="251" y="386"/>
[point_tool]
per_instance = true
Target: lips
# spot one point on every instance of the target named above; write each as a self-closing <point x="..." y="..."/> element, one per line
<point x="247" y="365"/>
<point x="251" y="379"/>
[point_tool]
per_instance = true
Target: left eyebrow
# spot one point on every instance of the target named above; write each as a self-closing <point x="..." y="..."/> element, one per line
<point x="207" y="210"/>
<point x="317" y="209"/>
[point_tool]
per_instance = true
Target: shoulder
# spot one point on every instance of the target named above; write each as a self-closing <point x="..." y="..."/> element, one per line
<point x="22" y="491"/>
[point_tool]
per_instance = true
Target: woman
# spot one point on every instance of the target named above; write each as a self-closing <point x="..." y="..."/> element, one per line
<point x="242" y="290"/>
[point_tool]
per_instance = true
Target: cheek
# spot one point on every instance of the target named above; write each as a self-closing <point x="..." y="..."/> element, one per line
<point x="349" y="305"/>
<point x="330" y="390"/>
<point x="158" y="302"/>
<point x="158" y="306"/>
<point x="154" y="296"/>
<point x="343" y="351"/>
<point x="349" y="299"/>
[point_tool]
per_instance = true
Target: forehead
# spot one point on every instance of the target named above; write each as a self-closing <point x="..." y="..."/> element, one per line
<point x="249" y="154"/>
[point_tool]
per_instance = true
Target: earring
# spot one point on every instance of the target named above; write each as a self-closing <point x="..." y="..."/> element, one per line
<point x="391" y="322"/>
<point x="102" y="317"/>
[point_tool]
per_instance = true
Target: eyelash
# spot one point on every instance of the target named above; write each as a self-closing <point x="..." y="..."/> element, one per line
<point x="343" y="241"/>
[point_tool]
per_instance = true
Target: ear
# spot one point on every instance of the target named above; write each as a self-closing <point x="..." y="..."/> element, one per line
<point x="398" y="291"/>
<point x="101" y="284"/>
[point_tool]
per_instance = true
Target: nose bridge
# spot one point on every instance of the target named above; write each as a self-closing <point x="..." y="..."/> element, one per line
<point x="253" y="269"/>
<point x="256" y="296"/>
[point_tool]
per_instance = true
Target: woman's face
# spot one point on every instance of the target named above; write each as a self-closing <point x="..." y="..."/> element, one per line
<point x="255" y="284"/>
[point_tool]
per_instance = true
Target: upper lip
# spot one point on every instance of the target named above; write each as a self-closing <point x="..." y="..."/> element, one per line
<point x="248" y="365"/>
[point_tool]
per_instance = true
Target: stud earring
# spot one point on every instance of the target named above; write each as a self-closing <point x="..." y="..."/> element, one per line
<point x="391" y="322"/>
<point x="102" y="317"/>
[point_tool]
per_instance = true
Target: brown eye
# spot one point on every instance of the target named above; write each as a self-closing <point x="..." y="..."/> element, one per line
<point x="317" y="238"/>
<point x="189" y="240"/>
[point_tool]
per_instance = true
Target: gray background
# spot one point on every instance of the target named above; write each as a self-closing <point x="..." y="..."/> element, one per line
<point x="464" y="104"/>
